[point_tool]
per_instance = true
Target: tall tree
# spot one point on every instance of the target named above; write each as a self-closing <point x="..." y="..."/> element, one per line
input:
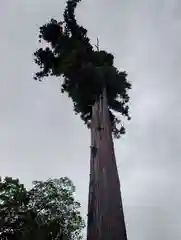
<point x="99" y="94"/>
<point x="47" y="211"/>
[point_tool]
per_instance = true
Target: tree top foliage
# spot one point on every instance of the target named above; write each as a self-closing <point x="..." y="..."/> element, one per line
<point x="47" y="211"/>
<point x="85" y="71"/>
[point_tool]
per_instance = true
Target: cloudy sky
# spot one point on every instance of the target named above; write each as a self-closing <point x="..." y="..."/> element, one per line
<point x="41" y="138"/>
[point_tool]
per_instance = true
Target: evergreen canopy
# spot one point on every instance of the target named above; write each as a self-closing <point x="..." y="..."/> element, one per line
<point x="86" y="71"/>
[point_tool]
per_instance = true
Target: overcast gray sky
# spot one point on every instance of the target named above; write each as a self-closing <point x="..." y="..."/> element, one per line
<point x="40" y="137"/>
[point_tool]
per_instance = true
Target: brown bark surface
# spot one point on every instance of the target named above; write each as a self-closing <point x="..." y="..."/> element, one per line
<point x="105" y="211"/>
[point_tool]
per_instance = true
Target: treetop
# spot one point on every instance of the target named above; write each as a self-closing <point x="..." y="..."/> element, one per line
<point x="84" y="70"/>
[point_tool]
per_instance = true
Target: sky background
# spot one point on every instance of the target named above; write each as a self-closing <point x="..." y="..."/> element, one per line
<point x="40" y="137"/>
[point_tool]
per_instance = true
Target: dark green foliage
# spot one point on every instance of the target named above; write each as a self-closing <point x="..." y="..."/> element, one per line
<point x="54" y="201"/>
<point x="16" y="218"/>
<point x="85" y="71"/>
<point x="48" y="211"/>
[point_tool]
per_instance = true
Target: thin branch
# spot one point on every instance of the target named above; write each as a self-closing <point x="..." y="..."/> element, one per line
<point x="97" y="45"/>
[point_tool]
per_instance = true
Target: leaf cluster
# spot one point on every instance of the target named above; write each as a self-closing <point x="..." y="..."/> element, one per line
<point x="85" y="71"/>
<point x="47" y="211"/>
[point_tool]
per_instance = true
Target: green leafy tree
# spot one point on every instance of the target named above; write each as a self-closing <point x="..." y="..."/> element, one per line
<point x="48" y="211"/>
<point x="54" y="201"/>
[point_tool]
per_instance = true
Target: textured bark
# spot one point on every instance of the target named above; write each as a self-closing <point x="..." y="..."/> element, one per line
<point x="105" y="212"/>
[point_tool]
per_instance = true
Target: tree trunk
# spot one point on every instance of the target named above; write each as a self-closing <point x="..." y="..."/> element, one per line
<point x="105" y="211"/>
